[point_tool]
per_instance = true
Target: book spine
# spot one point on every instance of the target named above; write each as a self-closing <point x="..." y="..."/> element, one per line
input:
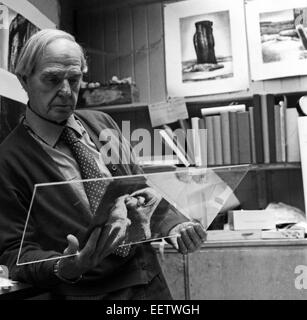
<point x="292" y="139"/>
<point x="283" y="130"/>
<point x="302" y="131"/>
<point x="271" y="127"/>
<point x="221" y="109"/>
<point x="203" y="142"/>
<point x="186" y="126"/>
<point x="244" y="137"/>
<point x="210" y="141"/>
<point x="196" y="141"/>
<point x="265" y="129"/>
<point x="258" y="128"/>
<point x="234" y="140"/>
<point x="217" y="140"/>
<point x="225" y="138"/>
<point x="277" y="133"/>
<point x="252" y="134"/>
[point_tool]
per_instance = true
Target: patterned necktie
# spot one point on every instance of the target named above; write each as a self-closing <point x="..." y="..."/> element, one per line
<point x="89" y="170"/>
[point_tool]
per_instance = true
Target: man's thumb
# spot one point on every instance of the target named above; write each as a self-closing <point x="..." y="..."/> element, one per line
<point x="73" y="245"/>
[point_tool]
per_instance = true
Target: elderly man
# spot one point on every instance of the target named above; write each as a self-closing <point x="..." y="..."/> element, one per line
<point x="51" y="144"/>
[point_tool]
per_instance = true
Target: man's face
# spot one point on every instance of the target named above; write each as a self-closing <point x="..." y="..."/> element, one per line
<point x="54" y="86"/>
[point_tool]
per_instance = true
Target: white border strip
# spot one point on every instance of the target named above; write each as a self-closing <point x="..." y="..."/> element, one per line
<point x="30" y="12"/>
<point x="11" y="88"/>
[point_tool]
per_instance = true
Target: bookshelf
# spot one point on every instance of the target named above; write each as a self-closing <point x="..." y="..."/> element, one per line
<point x="132" y="45"/>
<point x="265" y="182"/>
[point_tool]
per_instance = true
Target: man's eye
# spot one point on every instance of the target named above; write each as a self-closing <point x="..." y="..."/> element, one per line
<point x="53" y="80"/>
<point x="74" y="80"/>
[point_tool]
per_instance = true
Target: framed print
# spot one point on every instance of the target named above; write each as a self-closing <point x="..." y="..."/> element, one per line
<point x="205" y="47"/>
<point x="18" y="21"/>
<point x="277" y="38"/>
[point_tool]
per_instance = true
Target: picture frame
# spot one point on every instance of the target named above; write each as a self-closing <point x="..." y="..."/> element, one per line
<point x="32" y="18"/>
<point x="275" y="46"/>
<point x="190" y="71"/>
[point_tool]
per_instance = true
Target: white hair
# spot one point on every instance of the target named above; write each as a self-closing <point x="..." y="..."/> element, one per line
<point x="34" y="49"/>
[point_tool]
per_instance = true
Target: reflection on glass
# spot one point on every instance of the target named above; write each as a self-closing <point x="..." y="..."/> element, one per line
<point x="198" y="194"/>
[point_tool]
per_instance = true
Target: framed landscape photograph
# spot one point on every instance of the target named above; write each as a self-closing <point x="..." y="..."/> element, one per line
<point x="205" y="47"/>
<point x="277" y="38"/>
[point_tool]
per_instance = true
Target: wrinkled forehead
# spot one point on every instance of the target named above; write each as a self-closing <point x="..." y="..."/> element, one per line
<point x="61" y="52"/>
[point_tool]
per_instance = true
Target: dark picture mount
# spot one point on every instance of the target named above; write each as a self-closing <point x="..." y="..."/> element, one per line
<point x="20" y="31"/>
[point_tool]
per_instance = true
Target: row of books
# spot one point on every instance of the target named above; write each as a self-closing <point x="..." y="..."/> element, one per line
<point x="265" y="132"/>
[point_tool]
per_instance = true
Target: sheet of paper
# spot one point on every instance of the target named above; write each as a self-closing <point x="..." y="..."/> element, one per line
<point x="179" y="108"/>
<point x="167" y="112"/>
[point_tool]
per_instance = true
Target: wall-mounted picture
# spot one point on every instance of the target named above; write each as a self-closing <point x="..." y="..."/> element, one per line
<point x="206" y="51"/>
<point x="277" y="37"/>
<point x="210" y="56"/>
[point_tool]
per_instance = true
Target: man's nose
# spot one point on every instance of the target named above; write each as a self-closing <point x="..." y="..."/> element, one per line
<point x="65" y="89"/>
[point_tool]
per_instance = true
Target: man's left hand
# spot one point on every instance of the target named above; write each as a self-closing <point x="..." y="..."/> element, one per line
<point x="190" y="237"/>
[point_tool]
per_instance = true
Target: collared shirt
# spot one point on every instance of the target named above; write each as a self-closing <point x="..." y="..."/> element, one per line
<point x="48" y="134"/>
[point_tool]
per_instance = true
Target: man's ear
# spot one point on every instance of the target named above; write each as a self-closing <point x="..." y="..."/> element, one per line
<point x="23" y="81"/>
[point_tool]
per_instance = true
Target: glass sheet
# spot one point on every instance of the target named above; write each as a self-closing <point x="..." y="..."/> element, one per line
<point x="151" y="200"/>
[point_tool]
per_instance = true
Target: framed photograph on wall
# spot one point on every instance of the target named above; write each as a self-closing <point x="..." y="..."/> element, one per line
<point x="205" y="47"/>
<point x="277" y="38"/>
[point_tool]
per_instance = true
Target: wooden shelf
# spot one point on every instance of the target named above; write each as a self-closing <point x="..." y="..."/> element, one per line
<point x="120" y="107"/>
<point x="261" y="167"/>
<point x="275" y="166"/>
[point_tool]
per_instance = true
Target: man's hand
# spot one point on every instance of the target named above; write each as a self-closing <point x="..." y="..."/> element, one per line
<point x="101" y="242"/>
<point x="141" y="204"/>
<point x="150" y="196"/>
<point x="190" y="237"/>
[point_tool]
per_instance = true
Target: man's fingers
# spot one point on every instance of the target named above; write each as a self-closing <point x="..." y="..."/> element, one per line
<point x="194" y="237"/>
<point x="120" y="201"/>
<point x="200" y="231"/>
<point x="110" y="238"/>
<point x="189" y="244"/>
<point x="104" y="235"/>
<point x="142" y="193"/>
<point x="90" y="247"/>
<point x="181" y="246"/>
<point x="73" y="245"/>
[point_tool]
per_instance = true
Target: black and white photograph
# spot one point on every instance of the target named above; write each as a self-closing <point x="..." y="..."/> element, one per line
<point x="277" y="38"/>
<point x="205" y="47"/>
<point x="153" y="154"/>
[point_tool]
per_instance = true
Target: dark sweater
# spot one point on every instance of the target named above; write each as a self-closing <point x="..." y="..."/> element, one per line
<point x="57" y="211"/>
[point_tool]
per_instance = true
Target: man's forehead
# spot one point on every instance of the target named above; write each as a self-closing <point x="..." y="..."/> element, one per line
<point x="59" y="70"/>
<point x="54" y="69"/>
<point x="60" y="54"/>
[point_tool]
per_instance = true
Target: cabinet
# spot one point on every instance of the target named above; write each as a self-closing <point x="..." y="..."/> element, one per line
<point x="241" y="270"/>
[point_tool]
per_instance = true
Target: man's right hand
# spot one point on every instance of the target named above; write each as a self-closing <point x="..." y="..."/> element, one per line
<point x="101" y="242"/>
